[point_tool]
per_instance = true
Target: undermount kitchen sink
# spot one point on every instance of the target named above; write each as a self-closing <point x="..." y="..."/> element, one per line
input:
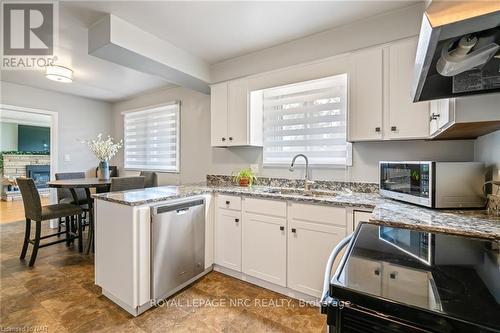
<point x="294" y="191"/>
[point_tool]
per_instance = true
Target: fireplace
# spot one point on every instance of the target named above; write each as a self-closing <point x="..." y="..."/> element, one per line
<point x="39" y="173"/>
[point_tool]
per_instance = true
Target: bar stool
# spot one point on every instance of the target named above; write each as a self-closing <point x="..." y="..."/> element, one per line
<point x="150" y="178"/>
<point x="34" y="211"/>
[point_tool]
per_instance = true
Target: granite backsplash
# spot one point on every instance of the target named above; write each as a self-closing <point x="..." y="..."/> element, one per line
<point x="327" y="185"/>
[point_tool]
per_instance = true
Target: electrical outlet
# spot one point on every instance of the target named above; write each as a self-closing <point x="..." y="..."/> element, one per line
<point x="254" y="168"/>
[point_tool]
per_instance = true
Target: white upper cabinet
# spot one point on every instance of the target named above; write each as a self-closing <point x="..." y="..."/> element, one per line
<point x="380" y="102"/>
<point x="232" y="120"/>
<point x="365" y="95"/>
<point x="218" y="114"/>
<point x="441" y="113"/>
<point x="406" y="120"/>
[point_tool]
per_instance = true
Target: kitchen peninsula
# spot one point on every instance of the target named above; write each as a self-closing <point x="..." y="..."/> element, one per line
<point x="123" y="268"/>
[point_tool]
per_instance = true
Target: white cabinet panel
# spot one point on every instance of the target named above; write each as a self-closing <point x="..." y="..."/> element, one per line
<point x="309" y="246"/>
<point x="406" y="120"/>
<point x="229" y="202"/>
<point x="265" y="207"/>
<point x="264" y="247"/>
<point x="228" y="239"/>
<point x="360" y="216"/>
<point x="365" y="95"/>
<point x="441" y="114"/>
<point x="218" y="114"/>
<point x="238" y="109"/>
<point x="317" y="214"/>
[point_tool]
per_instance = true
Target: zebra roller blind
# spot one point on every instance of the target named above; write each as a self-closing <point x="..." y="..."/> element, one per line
<point x="307" y="117"/>
<point x="151" y="138"/>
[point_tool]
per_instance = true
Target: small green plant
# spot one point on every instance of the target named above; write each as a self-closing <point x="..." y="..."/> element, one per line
<point x="245" y="177"/>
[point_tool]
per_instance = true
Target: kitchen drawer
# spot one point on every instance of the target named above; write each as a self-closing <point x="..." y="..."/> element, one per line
<point x="317" y="214"/>
<point x="265" y="207"/>
<point x="229" y="202"/>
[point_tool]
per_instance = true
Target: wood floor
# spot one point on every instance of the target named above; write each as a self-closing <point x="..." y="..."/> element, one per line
<point x="13" y="211"/>
<point x="59" y="295"/>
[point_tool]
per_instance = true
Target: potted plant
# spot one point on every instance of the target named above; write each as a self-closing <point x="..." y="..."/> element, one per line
<point x="104" y="150"/>
<point x="245" y="177"/>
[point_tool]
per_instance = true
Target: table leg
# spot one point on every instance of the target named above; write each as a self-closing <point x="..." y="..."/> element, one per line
<point x="90" y="240"/>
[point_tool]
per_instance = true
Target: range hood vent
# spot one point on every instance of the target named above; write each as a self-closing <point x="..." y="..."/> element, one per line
<point x="458" y="50"/>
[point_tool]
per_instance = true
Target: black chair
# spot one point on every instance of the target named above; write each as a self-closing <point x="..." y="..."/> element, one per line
<point x="64" y="195"/>
<point x="150" y="178"/>
<point x="34" y="211"/>
<point x="113" y="172"/>
<point x="126" y="183"/>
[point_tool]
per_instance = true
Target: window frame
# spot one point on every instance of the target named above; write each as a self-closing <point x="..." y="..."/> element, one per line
<point x="301" y="162"/>
<point x="178" y="136"/>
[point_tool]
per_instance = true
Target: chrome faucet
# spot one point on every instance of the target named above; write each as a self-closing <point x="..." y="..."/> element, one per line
<point x="307" y="181"/>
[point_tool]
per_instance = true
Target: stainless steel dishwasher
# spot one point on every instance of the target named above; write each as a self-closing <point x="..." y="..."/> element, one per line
<point x="177" y="245"/>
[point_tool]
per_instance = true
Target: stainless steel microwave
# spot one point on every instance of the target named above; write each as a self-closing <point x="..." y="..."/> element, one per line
<point x="433" y="184"/>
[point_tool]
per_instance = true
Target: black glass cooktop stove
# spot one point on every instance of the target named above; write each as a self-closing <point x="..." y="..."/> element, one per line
<point x="401" y="280"/>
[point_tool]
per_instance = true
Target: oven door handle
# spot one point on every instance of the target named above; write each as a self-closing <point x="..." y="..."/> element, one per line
<point x="325" y="298"/>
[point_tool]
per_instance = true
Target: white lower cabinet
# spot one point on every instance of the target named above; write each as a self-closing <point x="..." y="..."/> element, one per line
<point x="313" y="232"/>
<point x="264" y="248"/>
<point x="287" y="244"/>
<point x="228" y="239"/>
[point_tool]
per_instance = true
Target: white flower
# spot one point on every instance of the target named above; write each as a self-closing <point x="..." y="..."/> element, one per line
<point x="104" y="150"/>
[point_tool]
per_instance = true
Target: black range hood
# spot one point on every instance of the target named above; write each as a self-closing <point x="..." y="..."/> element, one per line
<point x="458" y="50"/>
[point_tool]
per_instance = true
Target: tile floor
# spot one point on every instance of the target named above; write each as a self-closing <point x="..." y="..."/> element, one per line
<point x="59" y="295"/>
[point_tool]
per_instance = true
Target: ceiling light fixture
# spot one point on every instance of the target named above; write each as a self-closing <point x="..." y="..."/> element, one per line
<point x="59" y="73"/>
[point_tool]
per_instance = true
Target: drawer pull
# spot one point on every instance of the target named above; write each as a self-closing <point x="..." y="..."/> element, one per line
<point x="393" y="128"/>
<point x="236" y="220"/>
<point x="377" y="272"/>
<point x="294" y="230"/>
<point x="223" y="139"/>
<point x="228" y="202"/>
<point x="282" y="228"/>
<point x="377" y="129"/>
<point x="230" y="138"/>
<point x="393" y="275"/>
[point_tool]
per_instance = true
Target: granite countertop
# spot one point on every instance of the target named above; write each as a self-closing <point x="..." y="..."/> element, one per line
<point x="388" y="212"/>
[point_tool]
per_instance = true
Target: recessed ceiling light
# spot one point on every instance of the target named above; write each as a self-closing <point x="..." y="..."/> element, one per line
<point x="59" y="74"/>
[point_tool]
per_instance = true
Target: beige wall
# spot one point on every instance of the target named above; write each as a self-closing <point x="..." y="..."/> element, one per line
<point x="79" y="118"/>
<point x="195" y="132"/>
<point x="8" y="136"/>
<point x="487" y="150"/>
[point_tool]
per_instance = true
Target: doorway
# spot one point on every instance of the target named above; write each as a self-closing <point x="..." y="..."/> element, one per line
<point x="28" y="148"/>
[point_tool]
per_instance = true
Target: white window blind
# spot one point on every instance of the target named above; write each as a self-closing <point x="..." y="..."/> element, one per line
<point x="309" y="118"/>
<point x="151" y="138"/>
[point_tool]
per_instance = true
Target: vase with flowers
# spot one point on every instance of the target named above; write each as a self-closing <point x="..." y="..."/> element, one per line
<point x="104" y="150"/>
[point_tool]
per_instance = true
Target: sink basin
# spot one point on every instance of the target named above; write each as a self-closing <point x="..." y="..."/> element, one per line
<point x="294" y="191"/>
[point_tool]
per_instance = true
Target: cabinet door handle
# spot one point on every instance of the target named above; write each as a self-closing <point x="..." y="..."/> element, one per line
<point x="282" y="228"/>
<point x="393" y="128"/>
<point x="294" y="230"/>
<point x="377" y="129"/>
<point x="377" y="272"/>
<point x="236" y="220"/>
<point x="434" y="116"/>
<point x="230" y="138"/>
<point x="223" y="139"/>
<point x="393" y="275"/>
<point x="228" y="202"/>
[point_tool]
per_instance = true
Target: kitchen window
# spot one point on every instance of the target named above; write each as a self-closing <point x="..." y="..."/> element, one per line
<point x="307" y="117"/>
<point x="151" y="138"/>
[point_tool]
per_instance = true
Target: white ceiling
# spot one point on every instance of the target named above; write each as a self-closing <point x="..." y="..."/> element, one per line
<point x="212" y="31"/>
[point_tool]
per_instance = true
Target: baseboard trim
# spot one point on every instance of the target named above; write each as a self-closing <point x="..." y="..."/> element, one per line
<point x="268" y="285"/>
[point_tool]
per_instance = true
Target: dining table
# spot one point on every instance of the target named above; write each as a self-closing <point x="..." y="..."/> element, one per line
<point x="87" y="184"/>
